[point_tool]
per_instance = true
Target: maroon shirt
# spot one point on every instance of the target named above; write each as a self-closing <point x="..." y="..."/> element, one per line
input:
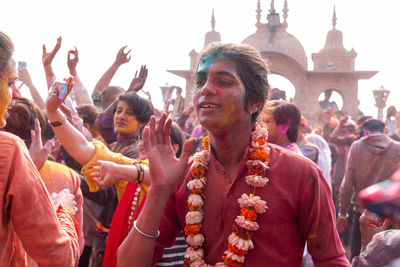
<point x="299" y="204"/>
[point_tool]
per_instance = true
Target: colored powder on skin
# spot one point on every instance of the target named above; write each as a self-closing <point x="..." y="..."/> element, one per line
<point x="205" y="63"/>
<point x="5" y="97"/>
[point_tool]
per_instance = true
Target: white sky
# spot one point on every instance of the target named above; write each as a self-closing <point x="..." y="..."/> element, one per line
<point x="162" y="33"/>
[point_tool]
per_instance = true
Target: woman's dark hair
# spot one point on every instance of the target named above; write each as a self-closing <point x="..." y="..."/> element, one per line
<point x="6" y="51"/>
<point x="177" y="137"/>
<point x="140" y="106"/>
<point x="21" y="120"/>
<point x="252" y="69"/>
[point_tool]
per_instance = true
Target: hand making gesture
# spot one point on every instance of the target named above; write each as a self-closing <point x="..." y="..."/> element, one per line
<point x="72" y="61"/>
<point x="165" y="168"/>
<point x="138" y="81"/>
<point x="47" y="58"/>
<point x="37" y="151"/>
<point x="122" y="56"/>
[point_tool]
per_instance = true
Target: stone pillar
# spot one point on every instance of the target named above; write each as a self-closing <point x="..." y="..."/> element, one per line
<point x="381" y="96"/>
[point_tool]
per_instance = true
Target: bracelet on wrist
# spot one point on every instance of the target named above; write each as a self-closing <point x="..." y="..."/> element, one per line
<point x="140" y="173"/>
<point x="144" y="234"/>
<point x="58" y="123"/>
<point x="343" y="216"/>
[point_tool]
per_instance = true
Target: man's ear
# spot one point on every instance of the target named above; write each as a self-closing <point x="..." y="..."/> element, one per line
<point x="255" y="107"/>
<point x="175" y="147"/>
<point x="283" y="128"/>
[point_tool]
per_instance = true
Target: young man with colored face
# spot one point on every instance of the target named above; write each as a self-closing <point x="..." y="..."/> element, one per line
<point x="220" y="196"/>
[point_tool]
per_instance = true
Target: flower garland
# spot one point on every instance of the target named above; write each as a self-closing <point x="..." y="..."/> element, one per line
<point x="239" y="241"/>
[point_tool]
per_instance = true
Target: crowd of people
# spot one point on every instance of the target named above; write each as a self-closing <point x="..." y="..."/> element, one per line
<point x="235" y="177"/>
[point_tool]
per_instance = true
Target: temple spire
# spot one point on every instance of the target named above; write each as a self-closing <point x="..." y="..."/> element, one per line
<point x="258" y="12"/>
<point x="212" y="20"/>
<point x="334" y="17"/>
<point x="285" y="11"/>
<point x="272" y="9"/>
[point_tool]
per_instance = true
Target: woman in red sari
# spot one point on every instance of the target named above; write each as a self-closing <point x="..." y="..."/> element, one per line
<point x="131" y="204"/>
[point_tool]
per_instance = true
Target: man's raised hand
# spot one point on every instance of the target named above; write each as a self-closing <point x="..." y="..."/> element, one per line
<point x="47" y="58"/>
<point x="138" y="81"/>
<point x="122" y="56"/>
<point x="72" y="61"/>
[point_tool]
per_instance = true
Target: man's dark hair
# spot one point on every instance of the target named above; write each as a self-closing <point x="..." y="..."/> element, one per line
<point x="252" y="69"/>
<point x="88" y="113"/>
<point x="140" y="106"/>
<point x="286" y="113"/>
<point x="372" y="125"/>
<point x="110" y="94"/>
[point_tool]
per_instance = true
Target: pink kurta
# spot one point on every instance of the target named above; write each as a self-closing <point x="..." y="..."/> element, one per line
<point x="299" y="204"/>
<point x="27" y="217"/>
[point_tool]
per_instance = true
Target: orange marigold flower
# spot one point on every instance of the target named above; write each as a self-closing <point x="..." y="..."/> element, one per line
<point x="198" y="172"/>
<point x="231" y="262"/>
<point x="191" y="207"/>
<point x="261" y="141"/>
<point x="191" y="229"/>
<point x="253" y="170"/>
<point x="237" y="251"/>
<point x="205" y="141"/>
<point x="259" y="154"/>
<point x="197" y="190"/>
<point x="241" y="232"/>
<point x="249" y="214"/>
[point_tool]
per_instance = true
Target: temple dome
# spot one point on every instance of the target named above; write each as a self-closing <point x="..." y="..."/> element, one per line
<point x="278" y="40"/>
<point x="212" y="36"/>
<point x="334" y="41"/>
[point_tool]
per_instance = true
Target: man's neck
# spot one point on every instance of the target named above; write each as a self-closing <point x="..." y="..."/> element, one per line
<point x="229" y="147"/>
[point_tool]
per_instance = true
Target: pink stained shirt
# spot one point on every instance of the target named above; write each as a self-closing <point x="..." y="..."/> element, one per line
<point x="300" y="209"/>
<point x="28" y="221"/>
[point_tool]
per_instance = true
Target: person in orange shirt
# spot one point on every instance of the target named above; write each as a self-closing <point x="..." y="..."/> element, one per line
<point x="29" y="222"/>
<point x="24" y="117"/>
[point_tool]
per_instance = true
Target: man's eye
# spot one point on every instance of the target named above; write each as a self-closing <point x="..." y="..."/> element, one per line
<point x="200" y="83"/>
<point x="224" y="82"/>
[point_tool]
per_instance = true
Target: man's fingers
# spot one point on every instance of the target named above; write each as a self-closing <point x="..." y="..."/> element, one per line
<point x="44" y="50"/>
<point x="145" y="139"/>
<point x="160" y="129"/>
<point x="187" y="147"/>
<point x="33" y="135"/>
<point x="167" y="131"/>
<point x="152" y="131"/>
<point x="38" y="130"/>
<point x="58" y="45"/>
